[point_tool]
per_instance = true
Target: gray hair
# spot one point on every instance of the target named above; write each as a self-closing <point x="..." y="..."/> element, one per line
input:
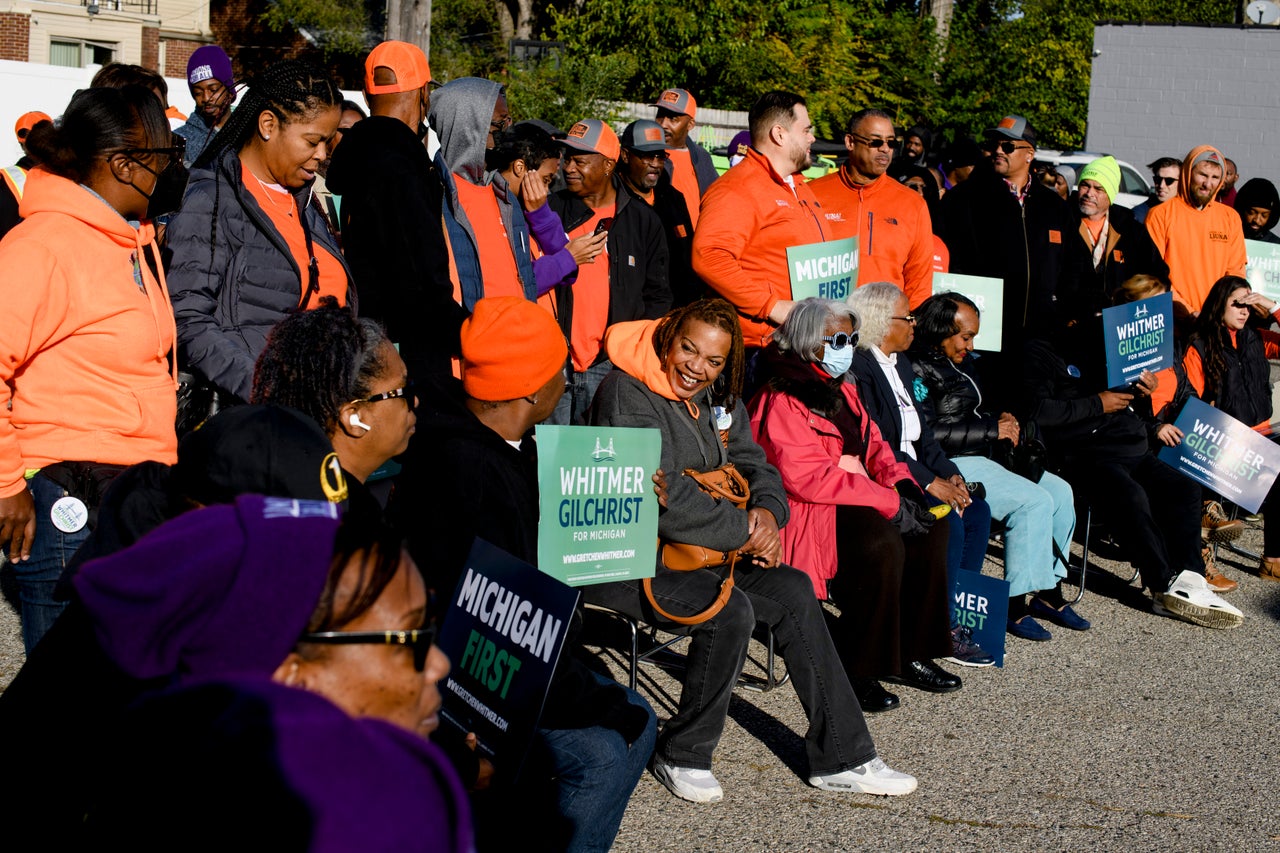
<point x="874" y="303"/>
<point x="802" y="332"/>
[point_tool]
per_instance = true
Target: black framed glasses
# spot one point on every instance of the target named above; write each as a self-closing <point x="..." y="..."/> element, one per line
<point x="909" y="318"/>
<point x="840" y="340"/>
<point x="1009" y="147"/>
<point x="648" y="155"/>
<point x="1236" y="303"/>
<point x="409" y="392"/>
<point x="420" y="640"/>
<point x="501" y="124"/>
<point x="874" y="142"/>
<point x="1168" y="182"/>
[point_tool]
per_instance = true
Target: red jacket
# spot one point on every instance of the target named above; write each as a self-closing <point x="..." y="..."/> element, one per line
<point x="895" y="234"/>
<point x="806" y="449"/>
<point x="750" y="216"/>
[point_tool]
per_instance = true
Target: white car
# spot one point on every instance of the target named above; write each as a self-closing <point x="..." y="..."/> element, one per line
<point x="1135" y="188"/>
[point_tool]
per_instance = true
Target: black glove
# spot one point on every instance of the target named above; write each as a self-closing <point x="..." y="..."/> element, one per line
<point x="910" y="491"/>
<point x="912" y="519"/>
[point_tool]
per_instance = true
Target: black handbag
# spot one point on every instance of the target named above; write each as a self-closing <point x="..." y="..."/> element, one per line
<point x="1029" y="458"/>
<point x="198" y="400"/>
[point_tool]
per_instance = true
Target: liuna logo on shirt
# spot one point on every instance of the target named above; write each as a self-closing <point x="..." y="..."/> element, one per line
<point x="782" y="202"/>
<point x="835" y="217"/>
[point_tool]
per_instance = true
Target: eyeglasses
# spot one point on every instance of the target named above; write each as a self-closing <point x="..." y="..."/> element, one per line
<point x="1009" y="147"/>
<point x="840" y="340"/>
<point x="501" y="124"/>
<point x="647" y="155"/>
<point x="875" y="142"/>
<point x="419" y="640"/>
<point x="409" y="391"/>
<point x="910" y="318"/>
<point x="1236" y="303"/>
<point x="1168" y="182"/>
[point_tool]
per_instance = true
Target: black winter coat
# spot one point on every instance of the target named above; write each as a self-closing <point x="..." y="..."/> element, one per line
<point x="953" y="405"/>
<point x="1085" y="290"/>
<point x="231" y="275"/>
<point x="669" y="204"/>
<point x="639" y="288"/>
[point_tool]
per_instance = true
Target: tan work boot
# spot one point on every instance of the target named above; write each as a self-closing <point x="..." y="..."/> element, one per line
<point x="1215" y="526"/>
<point x="1269" y="568"/>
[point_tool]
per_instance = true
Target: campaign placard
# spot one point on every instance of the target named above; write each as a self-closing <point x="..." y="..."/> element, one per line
<point x="503" y="632"/>
<point x="598" y="517"/>
<point x="1263" y="270"/>
<point x="981" y="604"/>
<point x="988" y="294"/>
<point x="1224" y="454"/>
<point x="1139" y="336"/>
<point x="826" y="270"/>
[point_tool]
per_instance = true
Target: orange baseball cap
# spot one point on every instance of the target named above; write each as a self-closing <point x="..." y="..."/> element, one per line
<point x="407" y="61"/>
<point x="594" y="137"/>
<point x="27" y="121"/>
<point x="677" y="101"/>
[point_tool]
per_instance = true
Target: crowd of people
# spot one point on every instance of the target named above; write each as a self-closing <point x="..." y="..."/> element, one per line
<point x="270" y="373"/>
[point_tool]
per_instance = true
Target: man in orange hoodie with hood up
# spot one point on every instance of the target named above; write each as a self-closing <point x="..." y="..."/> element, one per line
<point x="1200" y="239"/>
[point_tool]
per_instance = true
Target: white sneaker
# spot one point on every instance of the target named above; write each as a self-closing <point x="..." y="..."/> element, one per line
<point x="874" y="777"/>
<point x="696" y="786"/>
<point x="1190" y="599"/>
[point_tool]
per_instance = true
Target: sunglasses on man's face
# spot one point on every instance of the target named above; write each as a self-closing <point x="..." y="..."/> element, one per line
<point x="419" y="640"/>
<point x="875" y="142"/>
<point x="840" y="340"/>
<point x="1009" y="147"/>
<point x="1168" y="182"/>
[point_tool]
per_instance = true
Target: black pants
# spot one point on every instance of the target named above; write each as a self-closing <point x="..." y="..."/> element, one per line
<point x="782" y="598"/>
<point x="1154" y="512"/>
<point x="892" y="594"/>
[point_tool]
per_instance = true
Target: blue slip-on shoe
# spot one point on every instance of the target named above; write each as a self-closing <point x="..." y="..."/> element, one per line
<point x="1029" y="629"/>
<point x="1066" y="617"/>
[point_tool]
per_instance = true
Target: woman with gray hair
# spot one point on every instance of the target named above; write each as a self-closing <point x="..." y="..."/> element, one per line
<point x="859" y="523"/>
<point x="888" y="387"/>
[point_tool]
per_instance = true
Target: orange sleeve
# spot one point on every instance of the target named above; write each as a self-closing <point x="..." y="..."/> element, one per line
<point x="725" y="226"/>
<point x="917" y="272"/>
<point x="1195" y="370"/>
<point x="1271" y="340"/>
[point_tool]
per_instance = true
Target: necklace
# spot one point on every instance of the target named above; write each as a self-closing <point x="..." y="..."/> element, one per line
<point x="271" y="190"/>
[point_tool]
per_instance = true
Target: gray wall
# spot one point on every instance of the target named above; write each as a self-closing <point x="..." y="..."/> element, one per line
<point x="1162" y="90"/>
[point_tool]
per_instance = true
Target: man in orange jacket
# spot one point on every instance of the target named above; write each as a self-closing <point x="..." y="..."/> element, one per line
<point x="895" y="234"/>
<point x="757" y="210"/>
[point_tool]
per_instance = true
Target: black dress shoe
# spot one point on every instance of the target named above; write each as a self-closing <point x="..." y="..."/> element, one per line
<point x="872" y="697"/>
<point x="926" y="675"/>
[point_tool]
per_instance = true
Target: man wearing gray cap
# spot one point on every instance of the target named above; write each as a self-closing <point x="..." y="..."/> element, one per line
<point x="641" y="165"/>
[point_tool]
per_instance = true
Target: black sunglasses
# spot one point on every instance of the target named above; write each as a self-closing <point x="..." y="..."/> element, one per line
<point x="1236" y="303"/>
<point x="409" y="391"/>
<point x="840" y="340"/>
<point x="419" y="640"/>
<point x="874" y="142"/>
<point x="1009" y="147"/>
<point x="1168" y="182"/>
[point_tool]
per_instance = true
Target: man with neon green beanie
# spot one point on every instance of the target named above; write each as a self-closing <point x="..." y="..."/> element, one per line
<point x="1106" y="246"/>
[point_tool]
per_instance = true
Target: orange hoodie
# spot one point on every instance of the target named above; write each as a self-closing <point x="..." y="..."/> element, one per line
<point x="750" y="216"/>
<point x="895" y="234"/>
<point x="1200" y="246"/>
<point x="85" y="337"/>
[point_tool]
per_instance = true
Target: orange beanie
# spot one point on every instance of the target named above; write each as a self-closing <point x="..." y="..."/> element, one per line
<point x="511" y="347"/>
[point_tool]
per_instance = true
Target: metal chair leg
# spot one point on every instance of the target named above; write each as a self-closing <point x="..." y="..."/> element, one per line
<point x="1084" y="552"/>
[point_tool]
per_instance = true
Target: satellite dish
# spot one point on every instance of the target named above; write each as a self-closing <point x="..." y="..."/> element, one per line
<point x="1262" y="13"/>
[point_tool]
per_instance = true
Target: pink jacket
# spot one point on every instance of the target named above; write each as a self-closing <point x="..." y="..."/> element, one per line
<point x="806" y="449"/>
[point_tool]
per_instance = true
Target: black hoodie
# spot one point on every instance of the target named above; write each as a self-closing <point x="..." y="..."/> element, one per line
<point x="1258" y="192"/>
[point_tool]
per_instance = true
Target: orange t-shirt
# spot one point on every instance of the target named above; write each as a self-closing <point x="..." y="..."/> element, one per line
<point x="590" y="298"/>
<point x="280" y="207"/>
<point x="497" y="260"/>
<point x="685" y="180"/>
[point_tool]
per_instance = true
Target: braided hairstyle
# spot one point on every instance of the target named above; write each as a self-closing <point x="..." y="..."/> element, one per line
<point x="723" y="316"/>
<point x="318" y="361"/>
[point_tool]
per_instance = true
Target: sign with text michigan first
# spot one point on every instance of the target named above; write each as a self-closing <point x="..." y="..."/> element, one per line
<point x="1220" y="452"/>
<point x="599" y="515"/>
<point x="826" y="270"/>
<point x="988" y="294"/>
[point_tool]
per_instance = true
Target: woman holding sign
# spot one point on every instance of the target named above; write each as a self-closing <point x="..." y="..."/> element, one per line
<point x="1226" y="365"/>
<point x="683" y="375"/>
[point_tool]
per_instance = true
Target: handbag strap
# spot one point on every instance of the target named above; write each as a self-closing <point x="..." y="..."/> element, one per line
<point x="726" y="589"/>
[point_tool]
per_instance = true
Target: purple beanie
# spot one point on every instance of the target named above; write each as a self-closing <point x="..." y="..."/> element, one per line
<point x="224" y="590"/>
<point x="210" y="63"/>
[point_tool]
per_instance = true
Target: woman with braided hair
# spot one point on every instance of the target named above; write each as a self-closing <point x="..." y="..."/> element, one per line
<point x="249" y="244"/>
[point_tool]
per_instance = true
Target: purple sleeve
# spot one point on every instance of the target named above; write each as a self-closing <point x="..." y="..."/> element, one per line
<point x="556" y="264"/>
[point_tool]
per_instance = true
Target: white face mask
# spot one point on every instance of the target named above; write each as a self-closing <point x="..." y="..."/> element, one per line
<point x="836" y="362"/>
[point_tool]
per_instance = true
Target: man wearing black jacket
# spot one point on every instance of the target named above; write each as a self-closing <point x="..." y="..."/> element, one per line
<point x="392" y="233"/>
<point x="628" y="282"/>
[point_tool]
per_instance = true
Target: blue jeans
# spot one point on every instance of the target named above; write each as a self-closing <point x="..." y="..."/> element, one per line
<point x="595" y="774"/>
<point x="579" y="391"/>
<point x="970" y="533"/>
<point x="1036" y="517"/>
<point x="37" y="576"/>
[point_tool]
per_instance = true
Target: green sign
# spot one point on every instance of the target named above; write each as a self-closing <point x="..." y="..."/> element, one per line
<point x="1263" y="270"/>
<point x="827" y="270"/>
<point x="599" y="514"/>
<point x="987" y="294"/>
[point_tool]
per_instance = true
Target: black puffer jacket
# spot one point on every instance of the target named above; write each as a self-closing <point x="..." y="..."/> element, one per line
<point x="231" y="284"/>
<point x="953" y="405"/>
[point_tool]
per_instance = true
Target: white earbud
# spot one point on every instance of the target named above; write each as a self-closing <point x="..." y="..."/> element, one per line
<point x="355" y="421"/>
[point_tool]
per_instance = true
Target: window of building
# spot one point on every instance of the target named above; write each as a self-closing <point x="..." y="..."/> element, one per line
<point x="78" y="53"/>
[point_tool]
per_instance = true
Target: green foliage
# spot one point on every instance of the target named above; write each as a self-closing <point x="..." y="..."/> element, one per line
<point x="339" y="27"/>
<point x="577" y="89"/>
<point x="465" y="40"/>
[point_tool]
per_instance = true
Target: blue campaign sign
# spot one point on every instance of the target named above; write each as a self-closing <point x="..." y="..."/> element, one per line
<point x="1224" y="454"/>
<point x="981" y="604"/>
<point x="503" y="631"/>
<point x="1139" y="336"/>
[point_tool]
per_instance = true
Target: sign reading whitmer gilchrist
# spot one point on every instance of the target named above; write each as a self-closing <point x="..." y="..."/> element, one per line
<point x="826" y="270"/>
<point x="1263" y="270"/>
<point x="598" y="515"/>
<point x="504" y="630"/>
<point x="1139" y="336"/>
<point x="1220" y="452"/>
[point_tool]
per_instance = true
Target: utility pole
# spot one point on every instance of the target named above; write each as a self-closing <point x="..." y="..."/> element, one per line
<point x="410" y="20"/>
<point x="940" y="11"/>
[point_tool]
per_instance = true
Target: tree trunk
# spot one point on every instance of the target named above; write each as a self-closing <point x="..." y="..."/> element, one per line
<point x="940" y="11"/>
<point x="410" y="20"/>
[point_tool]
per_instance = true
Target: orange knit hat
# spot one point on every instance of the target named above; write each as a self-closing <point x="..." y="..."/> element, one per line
<point x="511" y="347"/>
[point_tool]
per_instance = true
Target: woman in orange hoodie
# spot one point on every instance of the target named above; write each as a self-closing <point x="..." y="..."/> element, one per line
<point x="87" y="383"/>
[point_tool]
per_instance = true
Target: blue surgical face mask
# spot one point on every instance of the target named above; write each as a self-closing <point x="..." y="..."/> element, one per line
<point x="836" y="362"/>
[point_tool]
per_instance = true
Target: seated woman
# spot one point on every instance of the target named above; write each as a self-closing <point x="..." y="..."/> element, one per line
<point x="858" y="519"/>
<point x="682" y="375"/>
<point x="249" y="245"/>
<point x="1039" y="518"/>
<point x="887" y="387"/>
